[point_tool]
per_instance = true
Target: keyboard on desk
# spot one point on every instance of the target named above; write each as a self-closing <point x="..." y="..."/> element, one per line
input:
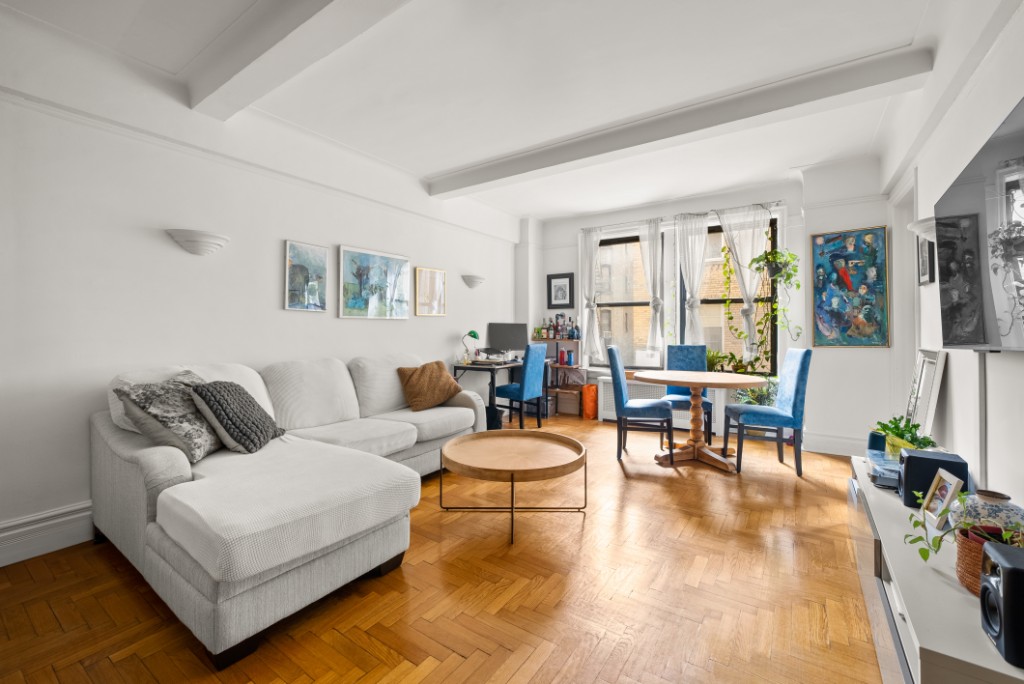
<point x="487" y="362"/>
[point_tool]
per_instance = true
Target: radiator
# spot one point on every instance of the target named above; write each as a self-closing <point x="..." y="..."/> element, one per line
<point x="646" y="390"/>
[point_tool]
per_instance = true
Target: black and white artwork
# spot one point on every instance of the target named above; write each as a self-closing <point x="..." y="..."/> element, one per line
<point x="960" y="293"/>
<point x="560" y="291"/>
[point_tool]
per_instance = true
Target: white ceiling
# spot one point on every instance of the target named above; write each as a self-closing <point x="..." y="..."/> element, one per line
<point x="443" y="87"/>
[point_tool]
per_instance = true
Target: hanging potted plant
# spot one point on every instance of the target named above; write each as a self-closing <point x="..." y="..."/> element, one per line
<point x="778" y="266"/>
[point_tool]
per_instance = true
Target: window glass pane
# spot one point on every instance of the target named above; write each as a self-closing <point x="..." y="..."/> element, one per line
<point x="627" y="327"/>
<point x="713" y="285"/>
<point x="620" y="274"/>
<point x="717" y="335"/>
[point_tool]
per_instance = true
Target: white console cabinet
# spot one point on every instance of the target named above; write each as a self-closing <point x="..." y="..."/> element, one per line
<point x="927" y="627"/>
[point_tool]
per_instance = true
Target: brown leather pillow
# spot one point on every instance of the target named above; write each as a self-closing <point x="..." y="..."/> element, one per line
<point x="427" y="386"/>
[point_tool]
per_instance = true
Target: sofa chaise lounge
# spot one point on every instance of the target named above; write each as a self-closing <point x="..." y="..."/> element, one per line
<point x="236" y="542"/>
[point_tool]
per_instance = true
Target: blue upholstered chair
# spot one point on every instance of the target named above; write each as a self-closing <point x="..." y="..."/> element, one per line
<point x="641" y="415"/>
<point x="530" y="386"/>
<point x="788" y="411"/>
<point x="688" y="357"/>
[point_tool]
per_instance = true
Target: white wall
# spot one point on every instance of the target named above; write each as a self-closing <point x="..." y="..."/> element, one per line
<point x="992" y="92"/>
<point x="98" y="159"/>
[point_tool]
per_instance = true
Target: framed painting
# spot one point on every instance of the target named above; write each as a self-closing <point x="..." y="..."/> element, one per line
<point x="373" y="284"/>
<point x="560" y="291"/>
<point x="960" y="294"/>
<point x="851" y="288"/>
<point x="925" y="259"/>
<point x="305" y="277"/>
<point x="431" y="296"/>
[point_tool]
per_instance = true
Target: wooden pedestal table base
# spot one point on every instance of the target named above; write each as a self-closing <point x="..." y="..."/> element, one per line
<point x="513" y="456"/>
<point x="696" y="449"/>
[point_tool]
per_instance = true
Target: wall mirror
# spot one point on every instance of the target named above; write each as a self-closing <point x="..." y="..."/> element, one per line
<point x="924" y="390"/>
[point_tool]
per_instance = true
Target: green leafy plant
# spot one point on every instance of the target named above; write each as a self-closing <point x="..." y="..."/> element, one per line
<point x="901" y="427"/>
<point x="759" y="396"/>
<point x="716" y="360"/>
<point x="929" y="544"/>
<point x="780" y="266"/>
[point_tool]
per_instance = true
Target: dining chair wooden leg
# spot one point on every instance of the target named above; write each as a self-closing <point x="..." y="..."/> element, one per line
<point x="739" y="446"/>
<point x="522" y="405"/>
<point x="618" y="439"/>
<point x="539" y="400"/>
<point x="708" y="437"/>
<point x="778" y="444"/>
<point x="671" y="442"/>
<point x="797" y="438"/>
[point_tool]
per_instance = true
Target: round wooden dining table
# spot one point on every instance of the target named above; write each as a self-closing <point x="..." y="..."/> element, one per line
<point x="696" y="449"/>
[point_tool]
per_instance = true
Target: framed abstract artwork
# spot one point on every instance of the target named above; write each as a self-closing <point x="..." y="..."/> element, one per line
<point x="373" y="284"/>
<point x="305" y="277"/>
<point x="431" y="297"/>
<point x="851" y="288"/>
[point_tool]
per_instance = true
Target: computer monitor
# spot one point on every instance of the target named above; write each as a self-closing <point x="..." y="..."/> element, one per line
<point x="506" y="337"/>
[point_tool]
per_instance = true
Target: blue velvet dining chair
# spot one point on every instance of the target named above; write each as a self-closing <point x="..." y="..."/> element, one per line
<point x="788" y="412"/>
<point x="639" y="415"/>
<point x="688" y="357"/>
<point x="530" y="386"/>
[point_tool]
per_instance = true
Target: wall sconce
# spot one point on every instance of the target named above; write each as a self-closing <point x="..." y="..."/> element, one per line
<point x="472" y="280"/>
<point x="199" y="242"/>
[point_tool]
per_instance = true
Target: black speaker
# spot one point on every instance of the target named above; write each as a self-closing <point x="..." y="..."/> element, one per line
<point x="1002" y="599"/>
<point x="918" y="468"/>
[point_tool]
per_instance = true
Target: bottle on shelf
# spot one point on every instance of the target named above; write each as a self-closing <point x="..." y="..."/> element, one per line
<point x="551" y="328"/>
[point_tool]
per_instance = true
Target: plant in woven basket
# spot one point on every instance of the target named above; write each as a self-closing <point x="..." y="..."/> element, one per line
<point x="985" y="530"/>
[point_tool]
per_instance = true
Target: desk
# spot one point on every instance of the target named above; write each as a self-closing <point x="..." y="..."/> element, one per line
<point x="493" y="369"/>
<point x="696" y="448"/>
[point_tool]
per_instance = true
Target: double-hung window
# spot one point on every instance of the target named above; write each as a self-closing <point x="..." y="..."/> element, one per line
<point x="719" y="331"/>
<point x="624" y="302"/>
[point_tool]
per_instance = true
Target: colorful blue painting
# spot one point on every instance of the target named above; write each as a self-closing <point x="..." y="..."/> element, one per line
<point x="374" y="284"/>
<point x="851" y="288"/>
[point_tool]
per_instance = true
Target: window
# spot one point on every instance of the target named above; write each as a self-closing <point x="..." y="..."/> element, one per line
<point x="624" y="302"/>
<point x="717" y="332"/>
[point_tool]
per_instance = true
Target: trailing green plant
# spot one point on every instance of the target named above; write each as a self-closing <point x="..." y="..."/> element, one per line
<point x="901" y="427"/>
<point x="929" y="544"/>
<point x="759" y="396"/>
<point x="780" y="266"/>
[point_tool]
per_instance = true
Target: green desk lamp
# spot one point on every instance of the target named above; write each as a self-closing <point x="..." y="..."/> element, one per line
<point x="472" y="333"/>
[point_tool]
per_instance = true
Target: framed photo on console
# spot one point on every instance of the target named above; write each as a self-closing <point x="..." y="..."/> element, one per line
<point x="940" y="495"/>
<point x="560" y="291"/>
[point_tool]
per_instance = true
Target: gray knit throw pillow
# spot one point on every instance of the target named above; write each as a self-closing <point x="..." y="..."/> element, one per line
<point x="240" y="422"/>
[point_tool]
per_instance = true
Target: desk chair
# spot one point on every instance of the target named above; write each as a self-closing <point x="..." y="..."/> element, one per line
<point x="639" y="415"/>
<point x="531" y="385"/>
<point x="688" y="357"/>
<point x="788" y="411"/>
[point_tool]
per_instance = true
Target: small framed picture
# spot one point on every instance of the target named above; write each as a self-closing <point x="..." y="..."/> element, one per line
<point x="305" y="277"/>
<point x="925" y="259"/>
<point x="940" y="495"/>
<point x="430" y="292"/>
<point x="560" y="291"/>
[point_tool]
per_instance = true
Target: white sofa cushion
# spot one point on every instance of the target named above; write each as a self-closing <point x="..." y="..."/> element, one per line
<point x="247" y="513"/>
<point x="230" y="372"/>
<point x="310" y="393"/>
<point x="434" y="423"/>
<point x="377" y="384"/>
<point x="380" y="437"/>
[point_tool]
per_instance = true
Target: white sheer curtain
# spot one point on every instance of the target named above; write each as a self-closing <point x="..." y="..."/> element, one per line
<point x="651" y="256"/>
<point x="591" y="348"/>
<point x="744" y="231"/>
<point x="691" y="241"/>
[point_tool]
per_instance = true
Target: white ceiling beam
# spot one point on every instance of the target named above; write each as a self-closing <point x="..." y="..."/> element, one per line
<point x="272" y="43"/>
<point x="857" y="81"/>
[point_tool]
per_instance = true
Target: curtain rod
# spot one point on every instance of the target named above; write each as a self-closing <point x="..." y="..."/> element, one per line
<point x="768" y="205"/>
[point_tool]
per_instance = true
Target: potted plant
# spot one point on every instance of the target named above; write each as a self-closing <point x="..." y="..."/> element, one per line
<point x="970" y="534"/>
<point x="716" y="360"/>
<point x="900" y="433"/>
<point x="759" y="396"/>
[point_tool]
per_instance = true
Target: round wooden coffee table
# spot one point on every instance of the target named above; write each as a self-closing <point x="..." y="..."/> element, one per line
<point x="513" y="456"/>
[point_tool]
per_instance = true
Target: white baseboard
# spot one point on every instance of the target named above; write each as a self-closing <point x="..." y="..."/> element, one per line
<point x="40" y="533"/>
<point x="835" y="444"/>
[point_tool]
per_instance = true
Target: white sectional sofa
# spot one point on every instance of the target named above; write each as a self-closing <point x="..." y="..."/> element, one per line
<point x="236" y="542"/>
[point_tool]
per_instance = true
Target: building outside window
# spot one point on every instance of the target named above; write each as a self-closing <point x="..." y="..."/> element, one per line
<point x="717" y="333"/>
<point x="624" y="302"/>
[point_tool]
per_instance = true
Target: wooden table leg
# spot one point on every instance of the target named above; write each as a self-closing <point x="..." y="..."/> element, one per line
<point x="696" y="448"/>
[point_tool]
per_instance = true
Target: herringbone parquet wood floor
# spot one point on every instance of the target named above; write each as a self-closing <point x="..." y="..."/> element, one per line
<point x="685" y="575"/>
